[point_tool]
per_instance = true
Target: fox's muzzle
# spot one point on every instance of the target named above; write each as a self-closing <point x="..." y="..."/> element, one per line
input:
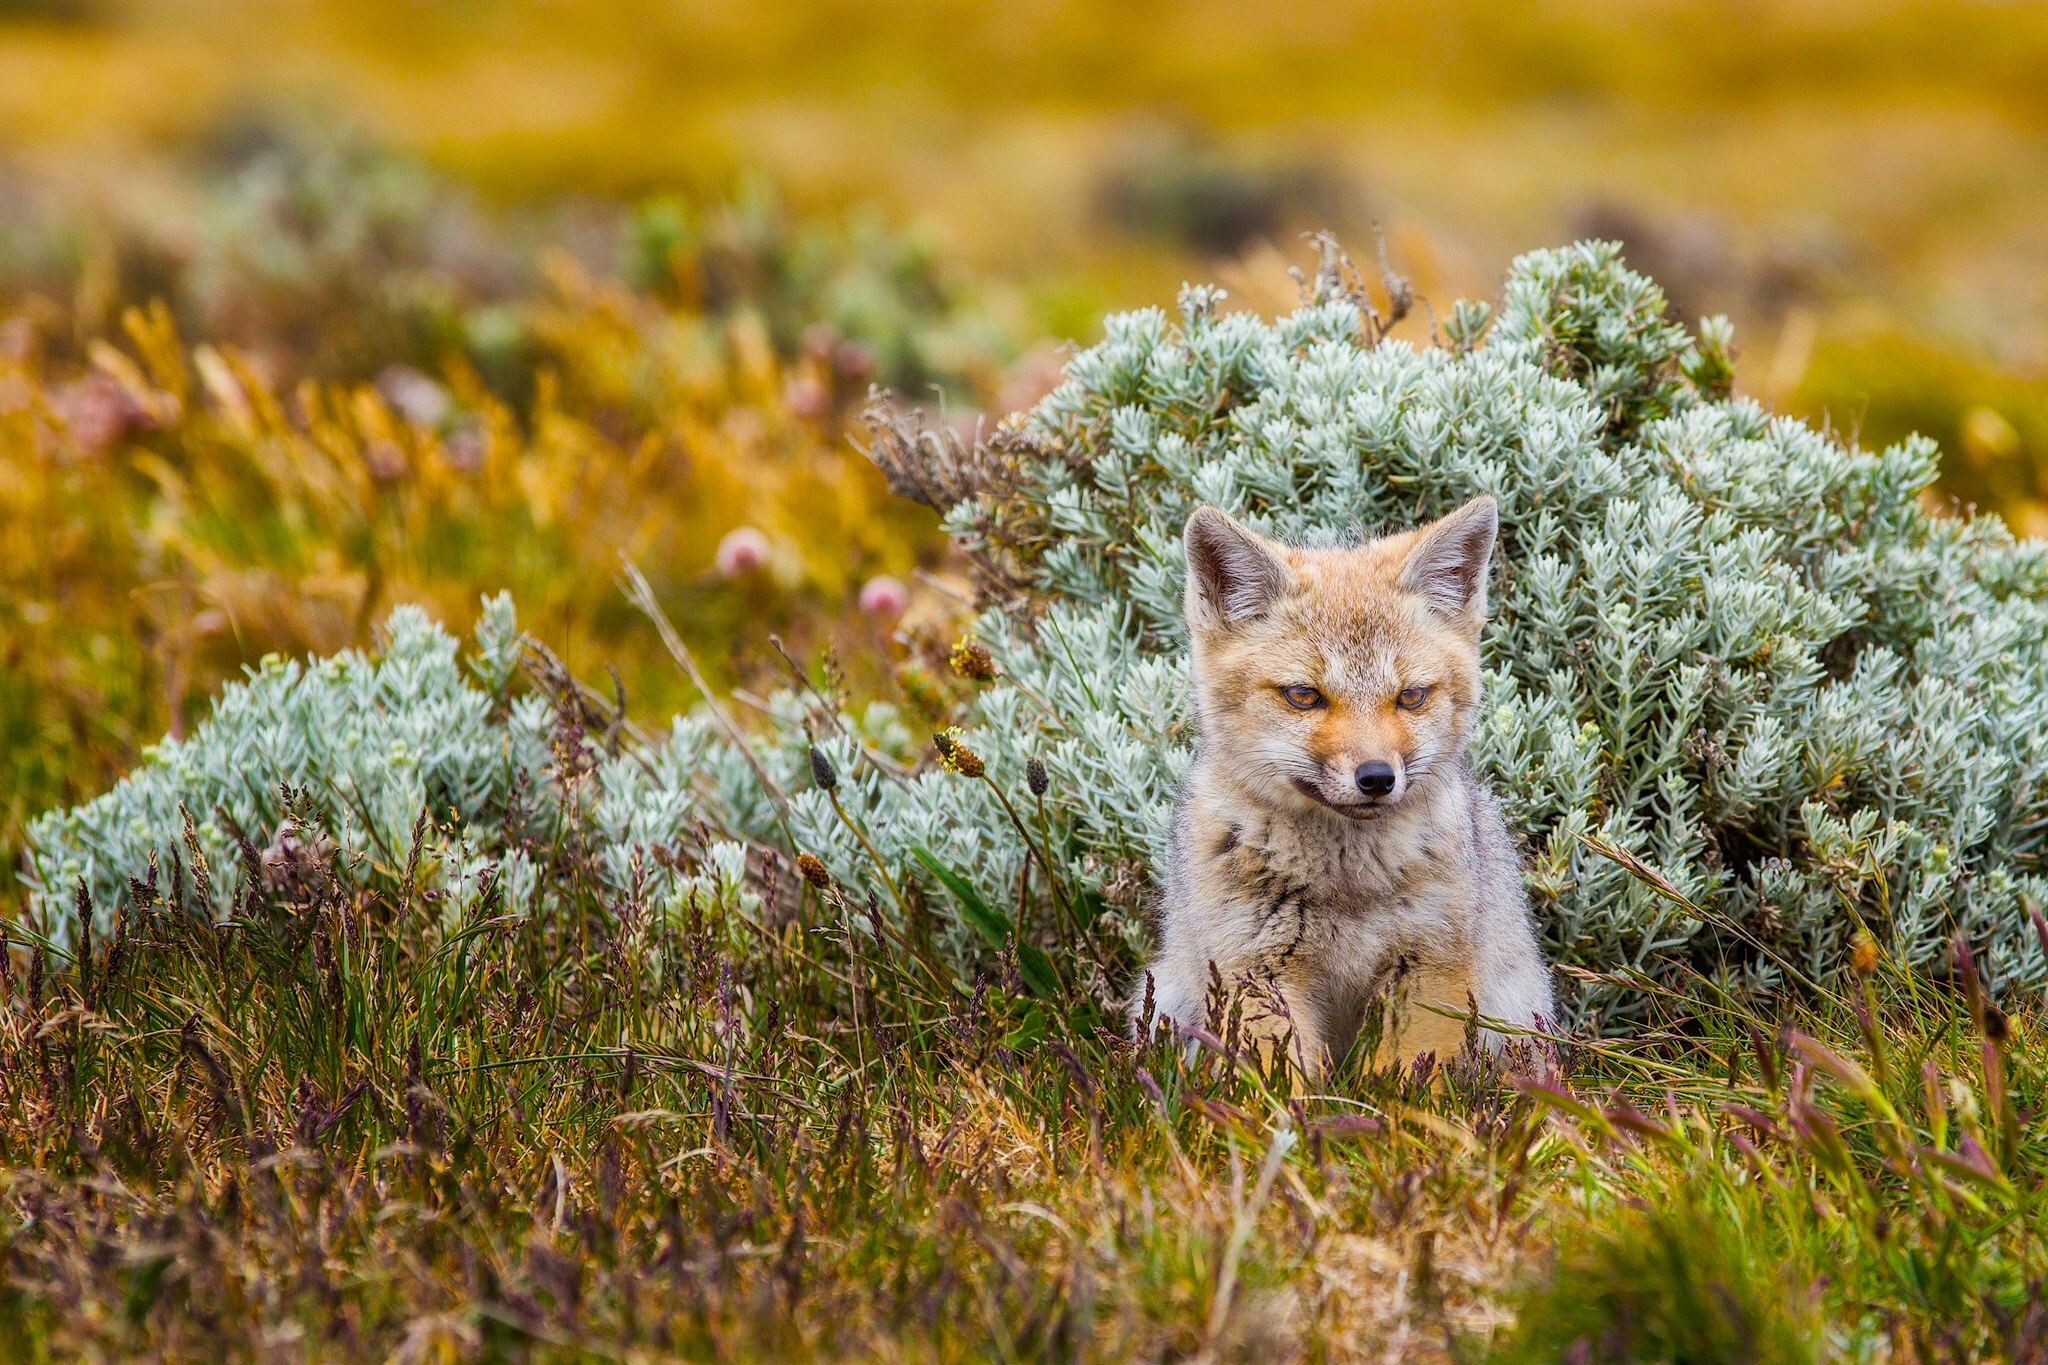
<point x="1360" y="793"/>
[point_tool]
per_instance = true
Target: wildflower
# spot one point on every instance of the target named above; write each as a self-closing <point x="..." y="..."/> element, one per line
<point x="805" y="397"/>
<point x="1034" y="776"/>
<point x="96" y="412"/>
<point x="884" y="596"/>
<point x="415" y="397"/>
<point x="854" y="360"/>
<point x="957" y="756"/>
<point x="822" y="771"/>
<point x="971" y="659"/>
<point x="743" y="550"/>
<point x="813" y="868"/>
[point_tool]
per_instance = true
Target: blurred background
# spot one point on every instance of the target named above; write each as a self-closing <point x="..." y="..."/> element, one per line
<point x="307" y="308"/>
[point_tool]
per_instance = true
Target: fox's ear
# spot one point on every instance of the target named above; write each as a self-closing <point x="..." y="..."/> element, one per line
<point x="1233" y="574"/>
<point x="1447" y="567"/>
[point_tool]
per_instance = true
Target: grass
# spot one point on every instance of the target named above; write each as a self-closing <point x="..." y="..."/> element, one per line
<point x="353" y="1123"/>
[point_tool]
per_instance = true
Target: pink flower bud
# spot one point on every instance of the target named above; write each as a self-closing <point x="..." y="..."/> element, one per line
<point x="743" y="550"/>
<point x="97" y="413"/>
<point x="854" y="360"/>
<point x="884" y="596"/>
<point x="807" y="398"/>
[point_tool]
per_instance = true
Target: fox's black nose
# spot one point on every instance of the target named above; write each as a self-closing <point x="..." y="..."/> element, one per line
<point x="1375" y="778"/>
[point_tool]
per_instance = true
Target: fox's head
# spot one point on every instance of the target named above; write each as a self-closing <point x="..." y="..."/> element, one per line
<point x="1341" y="678"/>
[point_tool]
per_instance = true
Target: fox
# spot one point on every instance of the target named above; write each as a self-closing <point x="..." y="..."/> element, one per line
<point x="1331" y="845"/>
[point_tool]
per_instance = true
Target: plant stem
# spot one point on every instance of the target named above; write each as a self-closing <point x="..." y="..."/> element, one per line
<point x="1044" y="854"/>
<point x="881" y="868"/>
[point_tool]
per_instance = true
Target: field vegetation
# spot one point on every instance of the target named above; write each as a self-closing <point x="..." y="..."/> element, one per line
<point x="343" y="1125"/>
<point x="310" y="1082"/>
<point x="775" y="1032"/>
<point x="349" y="394"/>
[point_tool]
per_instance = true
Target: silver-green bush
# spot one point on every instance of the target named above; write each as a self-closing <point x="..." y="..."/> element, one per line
<point x="1727" y="642"/>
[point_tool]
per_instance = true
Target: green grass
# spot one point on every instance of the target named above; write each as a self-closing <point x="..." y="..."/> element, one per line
<point x="366" y="1123"/>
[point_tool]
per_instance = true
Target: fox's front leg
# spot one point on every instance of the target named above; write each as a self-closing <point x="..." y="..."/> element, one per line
<point x="1272" y="1012"/>
<point x="1424" y="1008"/>
<point x="1281" y="1013"/>
<point x="1509" y="980"/>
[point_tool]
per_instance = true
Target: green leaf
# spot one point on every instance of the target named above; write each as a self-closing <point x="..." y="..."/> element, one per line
<point x="1039" y="976"/>
<point x="1031" y="1029"/>
<point x="992" y="924"/>
<point x="1038" y="972"/>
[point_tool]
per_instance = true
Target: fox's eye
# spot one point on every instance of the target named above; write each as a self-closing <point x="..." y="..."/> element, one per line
<point x="1411" y="698"/>
<point x="1302" y="697"/>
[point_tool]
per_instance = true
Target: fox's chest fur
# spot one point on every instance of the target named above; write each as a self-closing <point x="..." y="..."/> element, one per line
<point x="1334" y="911"/>
<point x="1308" y="882"/>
